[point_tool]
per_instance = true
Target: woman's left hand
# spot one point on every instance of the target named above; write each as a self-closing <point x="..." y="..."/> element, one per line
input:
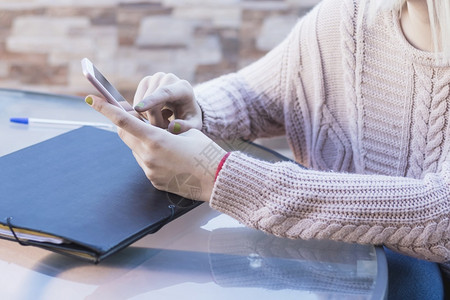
<point x="189" y="159"/>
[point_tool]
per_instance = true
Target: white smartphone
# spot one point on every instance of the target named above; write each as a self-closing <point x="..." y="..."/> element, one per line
<point x="99" y="81"/>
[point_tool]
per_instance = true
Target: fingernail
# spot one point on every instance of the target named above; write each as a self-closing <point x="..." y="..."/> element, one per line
<point x="140" y="105"/>
<point x="89" y="100"/>
<point x="176" y="128"/>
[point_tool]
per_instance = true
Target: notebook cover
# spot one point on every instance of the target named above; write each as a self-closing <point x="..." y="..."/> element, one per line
<point x="85" y="187"/>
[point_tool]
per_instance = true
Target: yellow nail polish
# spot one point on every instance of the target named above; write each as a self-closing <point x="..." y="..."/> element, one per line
<point x="176" y="128"/>
<point x="89" y="100"/>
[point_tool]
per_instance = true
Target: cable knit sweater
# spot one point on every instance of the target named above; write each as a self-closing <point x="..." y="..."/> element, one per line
<point x="365" y="111"/>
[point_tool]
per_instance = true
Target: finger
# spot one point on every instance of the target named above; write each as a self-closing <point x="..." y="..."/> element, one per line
<point x="147" y="87"/>
<point x="155" y="117"/>
<point x="179" y="125"/>
<point x="166" y="94"/>
<point x="123" y="119"/>
<point x="167" y="109"/>
<point x="155" y="113"/>
<point x="147" y="84"/>
<point x="168" y="78"/>
<point x="129" y="108"/>
<point x="150" y="83"/>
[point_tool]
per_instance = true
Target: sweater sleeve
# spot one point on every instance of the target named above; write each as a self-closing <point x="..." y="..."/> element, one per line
<point x="408" y="215"/>
<point x="250" y="103"/>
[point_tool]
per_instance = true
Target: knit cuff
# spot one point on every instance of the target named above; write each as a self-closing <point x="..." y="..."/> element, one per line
<point x="224" y="111"/>
<point x="219" y="167"/>
<point x="240" y="187"/>
<point x="208" y="116"/>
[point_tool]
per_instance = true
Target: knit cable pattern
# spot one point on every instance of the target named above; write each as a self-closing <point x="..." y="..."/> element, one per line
<point x="351" y="72"/>
<point x="287" y="201"/>
<point x="408" y="214"/>
<point x="437" y="124"/>
<point x="423" y="97"/>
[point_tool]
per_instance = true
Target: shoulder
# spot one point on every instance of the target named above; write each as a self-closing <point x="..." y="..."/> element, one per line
<point x="325" y="27"/>
<point x="342" y="13"/>
<point x="330" y="17"/>
<point x="326" y="19"/>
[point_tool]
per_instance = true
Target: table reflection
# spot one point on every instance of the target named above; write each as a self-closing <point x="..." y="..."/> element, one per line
<point x="203" y="253"/>
<point x="237" y="258"/>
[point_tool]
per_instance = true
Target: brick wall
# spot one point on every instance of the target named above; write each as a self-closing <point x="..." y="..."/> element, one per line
<point x="43" y="41"/>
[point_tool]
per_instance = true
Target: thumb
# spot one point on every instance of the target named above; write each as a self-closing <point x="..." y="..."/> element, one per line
<point x="179" y="125"/>
<point x="123" y="119"/>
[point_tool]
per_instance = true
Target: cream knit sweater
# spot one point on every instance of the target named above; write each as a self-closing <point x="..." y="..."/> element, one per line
<point x="365" y="111"/>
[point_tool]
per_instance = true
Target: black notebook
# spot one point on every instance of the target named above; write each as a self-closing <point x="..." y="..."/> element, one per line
<point x="82" y="194"/>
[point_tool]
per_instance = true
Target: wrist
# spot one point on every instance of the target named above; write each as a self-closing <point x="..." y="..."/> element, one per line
<point x="221" y="163"/>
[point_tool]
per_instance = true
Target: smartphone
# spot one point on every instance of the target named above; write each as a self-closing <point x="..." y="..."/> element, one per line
<point x="99" y="81"/>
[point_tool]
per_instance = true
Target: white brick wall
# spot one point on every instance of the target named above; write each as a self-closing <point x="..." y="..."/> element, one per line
<point x="39" y="34"/>
<point x="43" y="41"/>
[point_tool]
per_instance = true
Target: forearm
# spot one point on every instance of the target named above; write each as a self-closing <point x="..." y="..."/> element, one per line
<point x="409" y="215"/>
<point x="224" y="110"/>
<point x="231" y="109"/>
<point x="251" y="103"/>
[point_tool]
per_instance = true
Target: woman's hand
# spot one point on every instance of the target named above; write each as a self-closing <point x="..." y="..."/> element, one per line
<point x="168" y="102"/>
<point x="184" y="164"/>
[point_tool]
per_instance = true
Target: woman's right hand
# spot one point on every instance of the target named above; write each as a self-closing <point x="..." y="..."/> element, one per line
<point x="168" y="102"/>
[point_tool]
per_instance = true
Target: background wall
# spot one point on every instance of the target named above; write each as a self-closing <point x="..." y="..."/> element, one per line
<point x="43" y="41"/>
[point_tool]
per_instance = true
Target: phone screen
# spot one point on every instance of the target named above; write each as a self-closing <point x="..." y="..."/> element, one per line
<point x="101" y="84"/>
<point x="108" y="86"/>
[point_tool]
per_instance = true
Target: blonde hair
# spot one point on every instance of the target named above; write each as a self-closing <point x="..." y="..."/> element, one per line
<point x="439" y="15"/>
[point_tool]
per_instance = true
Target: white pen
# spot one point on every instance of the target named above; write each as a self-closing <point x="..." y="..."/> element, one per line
<point x="60" y="122"/>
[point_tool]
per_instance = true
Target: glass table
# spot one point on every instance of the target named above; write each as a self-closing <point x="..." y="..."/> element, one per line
<point x="203" y="254"/>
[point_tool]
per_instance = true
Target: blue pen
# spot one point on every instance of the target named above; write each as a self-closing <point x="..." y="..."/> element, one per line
<point x="30" y="121"/>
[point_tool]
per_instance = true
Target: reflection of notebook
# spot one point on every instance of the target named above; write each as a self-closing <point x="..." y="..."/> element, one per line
<point x="82" y="194"/>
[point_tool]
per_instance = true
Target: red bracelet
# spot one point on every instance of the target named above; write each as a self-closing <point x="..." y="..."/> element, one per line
<point x="222" y="161"/>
